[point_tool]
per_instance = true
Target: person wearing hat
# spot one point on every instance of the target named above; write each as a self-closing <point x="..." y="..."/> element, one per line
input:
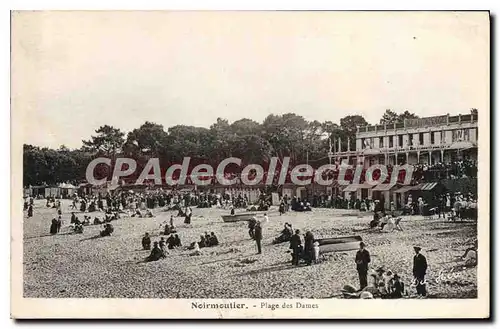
<point x="396" y="287"/>
<point x="156" y="253"/>
<point x="419" y="270"/>
<point x="296" y="246"/>
<point x="251" y="227"/>
<point x="258" y="236"/>
<point x="362" y="261"/>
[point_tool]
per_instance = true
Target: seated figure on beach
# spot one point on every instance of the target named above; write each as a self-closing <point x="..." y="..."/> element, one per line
<point x="470" y="255"/>
<point x="202" y="243"/>
<point x="167" y="231"/>
<point x="146" y="242"/>
<point x="286" y="234"/>
<point x="86" y="220"/>
<point x="376" y="220"/>
<point x="156" y="253"/>
<point x="207" y="240"/>
<point x="213" y="239"/>
<point x="78" y="228"/>
<point x="373" y="286"/>
<point x="108" y="229"/>
<point x="149" y="214"/>
<point x="196" y="248"/>
<point x="177" y="241"/>
<point x="171" y="241"/>
<point x="396" y="287"/>
<point x="163" y="245"/>
<point x="349" y="291"/>
<point x="389" y="224"/>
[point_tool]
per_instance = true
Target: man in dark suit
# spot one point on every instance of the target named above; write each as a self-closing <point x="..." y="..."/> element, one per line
<point x="296" y="246"/>
<point x="258" y="236"/>
<point x="419" y="269"/>
<point x="362" y="261"/>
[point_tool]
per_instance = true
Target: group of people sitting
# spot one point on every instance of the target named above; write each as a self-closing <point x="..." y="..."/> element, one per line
<point x="384" y="284"/>
<point x="300" y="205"/>
<point x="138" y="213"/>
<point x="159" y="250"/>
<point x="205" y="241"/>
<point x="385" y="222"/>
<point x="97" y="221"/>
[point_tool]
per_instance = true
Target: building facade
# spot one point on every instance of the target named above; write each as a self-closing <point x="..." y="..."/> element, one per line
<point x="430" y="140"/>
<point x="425" y="140"/>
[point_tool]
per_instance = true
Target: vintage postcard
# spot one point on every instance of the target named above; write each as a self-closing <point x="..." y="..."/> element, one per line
<point x="249" y="165"/>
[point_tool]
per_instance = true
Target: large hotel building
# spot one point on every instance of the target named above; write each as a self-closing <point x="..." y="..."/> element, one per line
<point x="425" y="140"/>
<point x="431" y="140"/>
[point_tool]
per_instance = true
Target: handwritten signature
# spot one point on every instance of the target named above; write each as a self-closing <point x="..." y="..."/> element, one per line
<point x="448" y="275"/>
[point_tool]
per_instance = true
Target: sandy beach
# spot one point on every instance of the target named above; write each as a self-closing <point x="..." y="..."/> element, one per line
<point x="81" y="265"/>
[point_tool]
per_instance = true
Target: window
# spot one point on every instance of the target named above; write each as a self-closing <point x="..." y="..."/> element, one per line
<point x="391" y="141"/>
<point x="400" y="140"/>
<point x="432" y="138"/>
<point x="410" y="139"/>
<point x="466" y="135"/>
<point x="362" y="143"/>
<point x="381" y="142"/>
<point x="421" y="139"/>
<point x="457" y="135"/>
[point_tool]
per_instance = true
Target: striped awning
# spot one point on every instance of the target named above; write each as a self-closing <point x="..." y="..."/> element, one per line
<point x="383" y="187"/>
<point x="428" y="186"/>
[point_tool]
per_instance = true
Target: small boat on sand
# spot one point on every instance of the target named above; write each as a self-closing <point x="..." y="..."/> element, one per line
<point x="244" y="216"/>
<point x="339" y="244"/>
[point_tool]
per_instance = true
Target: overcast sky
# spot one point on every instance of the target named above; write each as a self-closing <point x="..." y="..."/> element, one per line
<point x="75" y="71"/>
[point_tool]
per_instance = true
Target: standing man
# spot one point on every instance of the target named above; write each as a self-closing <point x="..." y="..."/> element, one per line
<point x="362" y="261"/>
<point x="258" y="236"/>
<point x="251" y="227"/>
<point x="296" y="246"/>
<point x="419" y="269"/>
<point x="309" y="247"/>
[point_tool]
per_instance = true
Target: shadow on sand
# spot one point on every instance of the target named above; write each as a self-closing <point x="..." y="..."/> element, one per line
<point x="46" y="235"/>
<point x="284" y="267"/>
<point x="93" y="237"/>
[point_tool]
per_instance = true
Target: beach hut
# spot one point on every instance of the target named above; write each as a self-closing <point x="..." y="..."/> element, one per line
<point x="66" y="190"/>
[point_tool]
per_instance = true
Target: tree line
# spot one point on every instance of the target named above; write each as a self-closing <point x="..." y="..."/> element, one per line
<point x="277" y="136"/>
